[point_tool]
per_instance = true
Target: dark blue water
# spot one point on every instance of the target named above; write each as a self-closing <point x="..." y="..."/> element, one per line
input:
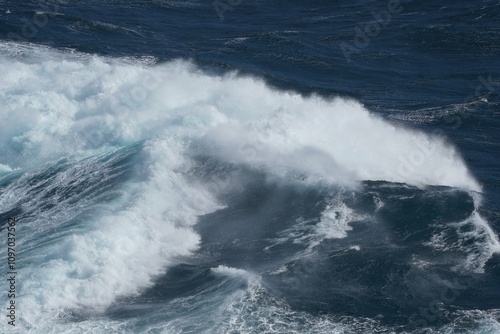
<point x="252" y="166"/>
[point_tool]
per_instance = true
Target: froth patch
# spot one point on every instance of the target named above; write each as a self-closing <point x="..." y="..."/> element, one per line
<point x="472" y="237"/>
<point x="230" y="271"/>
<point x="334" y="223"/>
<point x="5" y="169"/>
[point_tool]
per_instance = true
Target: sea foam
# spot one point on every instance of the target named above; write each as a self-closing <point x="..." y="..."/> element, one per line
<point x="57" y="103"/>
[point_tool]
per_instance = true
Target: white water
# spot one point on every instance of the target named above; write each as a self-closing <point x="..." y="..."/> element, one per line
<point x="59" y="104"/>
<point x="55" y="104"/>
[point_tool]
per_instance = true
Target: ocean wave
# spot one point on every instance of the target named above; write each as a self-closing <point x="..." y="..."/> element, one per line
<point x="69" y="117"/>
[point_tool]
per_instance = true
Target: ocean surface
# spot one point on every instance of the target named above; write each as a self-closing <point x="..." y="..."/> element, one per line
<point x="243" y="166"/>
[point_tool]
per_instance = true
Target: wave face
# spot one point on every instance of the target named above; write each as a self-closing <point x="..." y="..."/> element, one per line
<point x="152" y="195"/>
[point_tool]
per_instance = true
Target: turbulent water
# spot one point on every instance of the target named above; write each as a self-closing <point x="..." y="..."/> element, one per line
<point x="250" y="166"/>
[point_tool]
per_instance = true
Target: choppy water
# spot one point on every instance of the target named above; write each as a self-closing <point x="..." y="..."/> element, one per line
<point x="253" y="167"/>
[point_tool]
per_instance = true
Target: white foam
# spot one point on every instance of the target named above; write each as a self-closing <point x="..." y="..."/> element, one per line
<point x="486" y="322"/>
<point x="335" y="220"/>
<point x="57" y="103"/>
<point x="229" y="271"/>
<point x="255" y="310"/>
<point x="334" y="223"/>
<point x="474" y="238"/>
<point x="338" y="140"/>
<point x="5" y="169"/>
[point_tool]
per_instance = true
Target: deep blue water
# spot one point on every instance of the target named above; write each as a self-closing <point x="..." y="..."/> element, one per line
<point x="251" y="166"/>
